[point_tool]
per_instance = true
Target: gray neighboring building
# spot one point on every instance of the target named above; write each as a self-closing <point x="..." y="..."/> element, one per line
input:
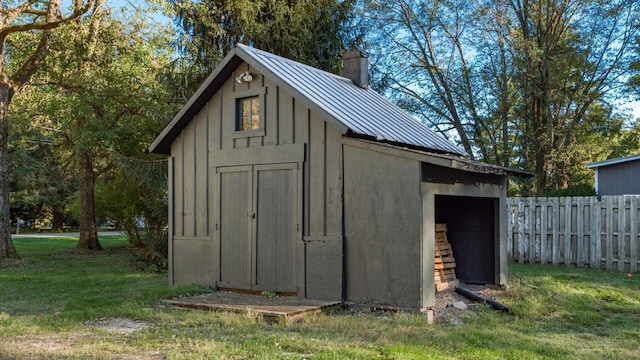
<point x="620" y="176"/>
<point x="286" y="178"/>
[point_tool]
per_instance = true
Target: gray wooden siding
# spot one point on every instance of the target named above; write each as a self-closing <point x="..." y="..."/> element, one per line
<point x="619" y="179"/>
<point x="581" y="231"/>
<point x="210" y="141"/>
<point x="383" y="226"/>
<point x="189" y="183"/>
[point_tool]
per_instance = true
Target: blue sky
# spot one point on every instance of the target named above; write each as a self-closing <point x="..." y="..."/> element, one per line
<point x="156" y="14"/>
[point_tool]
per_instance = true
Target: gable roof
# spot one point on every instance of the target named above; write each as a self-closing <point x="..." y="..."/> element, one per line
<point x="613" y="161"/>
<point x="354" y="111"/>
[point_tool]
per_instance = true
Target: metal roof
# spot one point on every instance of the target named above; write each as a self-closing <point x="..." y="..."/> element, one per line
<point x="452" y="161"/>
<point x="613" y="161"/>
<point x="356" y="112"/>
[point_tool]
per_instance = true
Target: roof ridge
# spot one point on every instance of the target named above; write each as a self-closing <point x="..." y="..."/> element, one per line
<point x="250" y="49"/>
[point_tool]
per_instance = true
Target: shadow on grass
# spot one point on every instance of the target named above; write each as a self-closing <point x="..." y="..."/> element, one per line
<point x="53" y="278"/>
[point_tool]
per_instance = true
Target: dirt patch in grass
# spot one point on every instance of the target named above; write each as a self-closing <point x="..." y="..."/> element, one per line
<point x="445" y="312"/>
<point x="78" y="344"/>
<point x="119" y="325"/>
<point x="44" y="346"/>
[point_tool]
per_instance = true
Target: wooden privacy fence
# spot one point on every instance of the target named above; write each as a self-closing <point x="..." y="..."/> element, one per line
<point x="582" y="231"/>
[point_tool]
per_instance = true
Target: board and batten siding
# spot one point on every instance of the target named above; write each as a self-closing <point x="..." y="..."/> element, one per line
<point x="383" y="228"/>
<point x="581" y="231"/>
<point x="291" y="133"/>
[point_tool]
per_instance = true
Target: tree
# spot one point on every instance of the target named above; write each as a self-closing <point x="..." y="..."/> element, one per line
<point x="570" y="55"/>
<point x="40" y="181"/>
<point x="510" y="81"/>
<point x="136" y="196"/>
<point x="313" y="32"/>
<point x="449" y="64"/>
<point x="35" y="21"/>
<point x="102" y="94"/>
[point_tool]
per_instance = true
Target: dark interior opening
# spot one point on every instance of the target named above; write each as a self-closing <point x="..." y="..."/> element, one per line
<point x="471" y="231"/>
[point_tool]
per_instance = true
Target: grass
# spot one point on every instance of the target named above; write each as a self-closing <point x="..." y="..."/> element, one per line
<point x="53" y="301"/>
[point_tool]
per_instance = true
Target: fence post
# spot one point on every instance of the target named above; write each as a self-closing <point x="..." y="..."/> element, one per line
<point x="532" y="230"/>
<point x="633" y="231"/>
<point x="567" y="231"/>
<point x="622" y="209"/>
<point x="555" y="251"/>
<point x="543" y="231"/>
<point x="594" y="233"/>
<point x="599" y="208"/>
<point x="580" y="232"/>
<point x="609" y="229"/>
<point x="521" y="239"/>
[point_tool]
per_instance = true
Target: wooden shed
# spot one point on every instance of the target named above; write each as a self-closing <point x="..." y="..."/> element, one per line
<point x="290" y="179"/>
<point x="612" y="177"/>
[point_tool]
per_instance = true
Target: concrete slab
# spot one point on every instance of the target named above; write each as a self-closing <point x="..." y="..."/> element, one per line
<point x="279" y="308"/>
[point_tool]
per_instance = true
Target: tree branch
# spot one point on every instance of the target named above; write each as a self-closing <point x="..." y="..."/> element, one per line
<point x="12" y="14"/>
<point x="52" y="21"/>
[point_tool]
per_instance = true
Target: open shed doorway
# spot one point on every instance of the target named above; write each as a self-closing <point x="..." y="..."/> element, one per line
<point x="472" y="230"/>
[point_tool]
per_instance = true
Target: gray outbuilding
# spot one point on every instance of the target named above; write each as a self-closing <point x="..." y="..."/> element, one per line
<point x="617" y="176"/>
<point x="289" y="179"/>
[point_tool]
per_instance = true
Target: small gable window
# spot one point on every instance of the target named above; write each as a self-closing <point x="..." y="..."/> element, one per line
<point x="249" y="114"/>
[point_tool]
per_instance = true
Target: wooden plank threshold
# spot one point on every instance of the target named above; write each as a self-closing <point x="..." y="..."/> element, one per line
<point x="280" y="308"/>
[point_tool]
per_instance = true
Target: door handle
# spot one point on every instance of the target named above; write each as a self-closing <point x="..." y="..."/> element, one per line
<point x="253" y="216"/>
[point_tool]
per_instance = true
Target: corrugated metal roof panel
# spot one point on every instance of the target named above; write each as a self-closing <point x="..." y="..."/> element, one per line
<point x="362" y="111"/>
<point x="613" y="161"/>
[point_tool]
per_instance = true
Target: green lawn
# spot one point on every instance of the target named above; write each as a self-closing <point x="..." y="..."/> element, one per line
<point x="57" y="303"/>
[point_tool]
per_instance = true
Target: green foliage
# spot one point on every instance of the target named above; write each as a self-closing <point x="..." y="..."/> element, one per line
<point x="573" y="190"/>
<point x="147" y="218"/>
<point x="99" y="99"/>
<point x="313" y="32"/>
<point x="107" y="97"/>
<point x="629" y="142"/>
<point x="519" y="84"/>
<point x="40" y="182"/>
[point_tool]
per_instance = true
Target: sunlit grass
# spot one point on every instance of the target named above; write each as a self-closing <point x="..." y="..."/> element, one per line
<point x="52" y="299"/>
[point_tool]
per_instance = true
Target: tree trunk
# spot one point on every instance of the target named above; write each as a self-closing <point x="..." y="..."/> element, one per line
<point x="58" y="220"/>
<point x="7" y="250"/>
<point x="88" y="228"/>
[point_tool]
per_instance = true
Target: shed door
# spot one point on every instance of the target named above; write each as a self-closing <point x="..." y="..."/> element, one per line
<point x="235" y="233"/>
<point x="258" y="227"/>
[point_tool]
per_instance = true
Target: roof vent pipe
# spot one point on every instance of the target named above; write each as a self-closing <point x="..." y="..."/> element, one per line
<point x="355" y="66"/>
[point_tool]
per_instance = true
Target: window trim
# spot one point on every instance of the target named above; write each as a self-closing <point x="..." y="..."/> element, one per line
<point x="240" y="95"/>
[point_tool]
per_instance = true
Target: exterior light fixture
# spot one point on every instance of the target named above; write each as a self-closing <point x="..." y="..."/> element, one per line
<point x="244" y="77"/>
